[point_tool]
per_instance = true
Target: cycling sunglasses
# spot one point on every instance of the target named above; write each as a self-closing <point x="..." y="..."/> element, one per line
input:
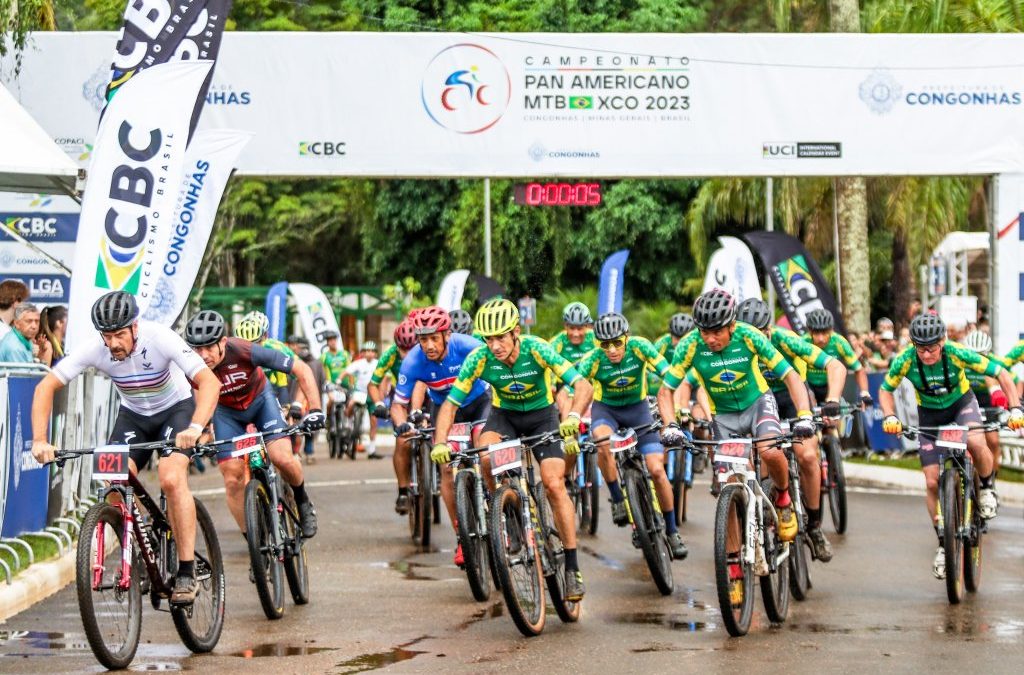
<point x="617" y="343"/>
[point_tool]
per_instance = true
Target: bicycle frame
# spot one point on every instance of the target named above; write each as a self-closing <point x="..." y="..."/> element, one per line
<point x="523" y="480"/>
<point x="955" y="457"/>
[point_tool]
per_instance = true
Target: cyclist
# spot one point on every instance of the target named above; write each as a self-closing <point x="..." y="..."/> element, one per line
<point x="436" y="362"/>
<point x="726" y="358"/>
<point x="572" y="344"/>
<point x="253" y="327"/>
<point x="820" y="323"/>
<point x="617" y="372"/>
<point x="390" y="363"/>
<point x="462" y="321"/>
<point x="937" y="369"/>
<point x="991" y="398"/>
<point x="246" y="399"/>
<point x="519" y="369"/>
<point x="800" y="354"/>
<point x="334" y="358"/>
<point x="358" y="376"/>
<point x="151" y="366"/>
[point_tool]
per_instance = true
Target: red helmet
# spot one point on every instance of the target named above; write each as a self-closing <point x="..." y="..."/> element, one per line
<point x="405" y="336"/>
<point x="432" y="320"/>
<point x="413" y="313"/>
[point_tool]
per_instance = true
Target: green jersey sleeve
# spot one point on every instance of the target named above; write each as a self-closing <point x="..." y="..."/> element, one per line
<point x="682" y="359"/>
<point x="794" y="348"/>
<point x="547" y="357"/>
<point x="646" y="352"/>
<point x="898" y="369"/>
<point x="589" y="364"/>
<point x="846" y="352"/>
<point x="692" y="378"/>
<point x="766" y="352"/>
<point x="472" y="369"/>
<point x="1015" y="355"/>
<point x="971" y="360"/>
<point x="385" y="363"/>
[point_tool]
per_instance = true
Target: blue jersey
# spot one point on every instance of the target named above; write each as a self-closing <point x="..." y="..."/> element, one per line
<point x="438" y="376"/>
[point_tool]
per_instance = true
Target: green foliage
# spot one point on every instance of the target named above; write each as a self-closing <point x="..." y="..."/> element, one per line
<point x="646" y="318"/>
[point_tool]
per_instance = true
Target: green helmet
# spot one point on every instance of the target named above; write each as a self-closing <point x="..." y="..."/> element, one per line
<point x="497" y="317"/>
<point x="576" y="314"/>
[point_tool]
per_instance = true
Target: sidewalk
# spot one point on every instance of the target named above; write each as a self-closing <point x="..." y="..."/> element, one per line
<point x="908" y="480"/>
<point x="36" y="583"/>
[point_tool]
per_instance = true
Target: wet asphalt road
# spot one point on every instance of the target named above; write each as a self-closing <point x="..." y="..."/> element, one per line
<point x="379" y="603"/>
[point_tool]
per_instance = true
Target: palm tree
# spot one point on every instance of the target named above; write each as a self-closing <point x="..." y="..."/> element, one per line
<point x="17" y="19"/>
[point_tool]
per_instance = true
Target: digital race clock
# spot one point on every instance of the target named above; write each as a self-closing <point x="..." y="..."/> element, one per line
<point x="558" y="194"/>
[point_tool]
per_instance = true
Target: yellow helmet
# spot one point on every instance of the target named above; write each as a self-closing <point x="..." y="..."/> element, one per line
<point x="250" y="328"/>
<point x="496" y="317"/>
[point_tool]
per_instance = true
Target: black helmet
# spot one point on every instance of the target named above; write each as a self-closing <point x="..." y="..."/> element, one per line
<point x="755" y="312"/>
<point x="204" y="328"/>
<point x="114" y="311"/>
<point x="462" y="321"/>
<point x="328" y="334"/>
<point x="714" y="309"/>
<point x="680" y="324"/>
<point x="820" y="320"/>
<point x="610" y="326"/>
<point x="927" y="329"/>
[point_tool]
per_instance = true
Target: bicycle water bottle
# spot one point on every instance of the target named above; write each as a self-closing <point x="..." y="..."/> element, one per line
<point x="257" y="461"/>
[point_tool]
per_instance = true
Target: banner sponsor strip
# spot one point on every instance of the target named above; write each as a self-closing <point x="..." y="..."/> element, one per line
<point x="316" y="314"/>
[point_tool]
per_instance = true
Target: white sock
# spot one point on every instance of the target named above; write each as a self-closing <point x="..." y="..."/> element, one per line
<point x="371" y="448"/>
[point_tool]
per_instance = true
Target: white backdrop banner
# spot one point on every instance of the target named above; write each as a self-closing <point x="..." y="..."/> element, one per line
<point x="315" y="313"/>
<point x="209" y="161"/>
<point x="449" y="295"/>
<point x="731" y="268"/>
<point x="615" y="105"/>
<point x="128" y="208"/>
<point x="1008" y="301"/>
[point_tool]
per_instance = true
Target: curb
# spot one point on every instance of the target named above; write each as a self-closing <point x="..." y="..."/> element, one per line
<point x="36" y="583"/>
<point x="908" y="480"/>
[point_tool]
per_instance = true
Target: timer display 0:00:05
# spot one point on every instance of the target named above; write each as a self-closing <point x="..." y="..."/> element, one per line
<point x="558" y="194"/>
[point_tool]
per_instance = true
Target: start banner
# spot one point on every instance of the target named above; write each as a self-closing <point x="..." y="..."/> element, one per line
<point x="595" y="105"/>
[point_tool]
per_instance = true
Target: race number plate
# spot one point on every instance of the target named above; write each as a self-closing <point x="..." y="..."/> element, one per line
<point x="242" y="446"/>
<point x="952" y="437"/>
<point x="622" y="442"/>
<point x="506" y="456"/>
<point x="459" y="435"/>
<point x="733" y="451"/>
<point x="110" y="462"/>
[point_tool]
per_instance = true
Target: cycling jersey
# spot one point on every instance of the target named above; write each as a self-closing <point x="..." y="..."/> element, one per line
<point x="800" y="354"/>
<point x="389" y="362"/>
<point x="361" y="371"/>
<point x="838" y="347"/>
<point x="277" y="379"/>
<point x="943" y="383"/>
<point x="623" y="383"/>
<point x="523" y="386"/>
<point x="240" y="374"/>
<point x="151" y="379"/>
<point x="570" y="352"/>
<point x="665" y="347"/>
<point x="1015" y="355"/>
<point x="335" y="364"/>
<point x="978" y="384"/>
<point x="439" y="376"/>
<point x="731" y="377"/>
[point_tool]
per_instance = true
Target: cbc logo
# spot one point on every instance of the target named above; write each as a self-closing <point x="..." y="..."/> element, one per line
<point x="321" y="148"/>
<point x="34" y="227"/>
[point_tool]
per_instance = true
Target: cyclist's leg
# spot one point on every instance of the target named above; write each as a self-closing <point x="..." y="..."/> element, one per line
<point x="227" y="423"/>
<point x="808" y="458"/>
<point x="929" y="454"/>
<point x="173" y="473"/>
<point x="497" y="428"/>
<point x="400" y="461"/>
<point x="265" y="414"/>
<point x="448" y="494"/>
<point x="605" y="421"/>
<point x="551" y="457"/>
<point x="762" y="419"/>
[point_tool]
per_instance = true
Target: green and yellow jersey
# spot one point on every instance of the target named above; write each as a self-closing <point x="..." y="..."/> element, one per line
<point x="570" y="352"/>
<point x="941" y="384"/>
<point x="389" y="362"/>
<point x="335" y="364"/>
<point x="838" y="347"/>
<point x="276" y="378"/>
<point x="800" y="354"/>
<point x="623" y="383"/>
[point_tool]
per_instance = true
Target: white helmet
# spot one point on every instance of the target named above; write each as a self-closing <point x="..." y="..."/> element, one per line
<point x="977" y="341"/>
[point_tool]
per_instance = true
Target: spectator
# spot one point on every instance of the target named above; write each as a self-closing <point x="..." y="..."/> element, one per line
<point x="20" y="344"/>
<point x="319" y="374"/>
<point x="904" y="337"/>
<point x="12" y="293"/>
<point x="53" y="323"/>
<point x="885" y="350"/>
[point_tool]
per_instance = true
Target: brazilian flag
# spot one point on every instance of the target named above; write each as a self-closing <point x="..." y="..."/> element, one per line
<point x="581" y="102"/>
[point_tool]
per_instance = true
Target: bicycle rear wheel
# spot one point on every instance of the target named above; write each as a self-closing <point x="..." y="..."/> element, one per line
<point x="799" y="570"/>
<point x="972" y="552"/>
<point x="775" y="585"/>
<point x="591" y="492"/>
<point x="266" y="568"/>
<point x="568" y="611"/>
<point x="475" y="547"/>
<point x="735" y="596"/>
<point x="295" y="568"/>
<point x="425" y="472"/>
<point x="952" y="518"/>
<point x="517" y="562"/>
<point x="652" y="542"/>
<point x="111" y="616"/>
<point x="199" y="625"/>
<point x="836" y="482"/>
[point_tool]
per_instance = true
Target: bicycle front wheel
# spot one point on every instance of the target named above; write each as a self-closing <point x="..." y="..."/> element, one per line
<point x="836" y="477"/>
<point x="972" y="552"/>
<point x="266" y="568"/>
<point x="475" y="547"/>
<point x="295" y="569"/>
<point x="952" y="518"/>
<point x="645" y="520"/>
<point x="199" y="625"/>
<point x="111" y="615"/>
<point x="425" y="496"/>
<point x="775" y="585"/>
<point x="517" y="562"/>
<point x="591" y="492"/>
<point x="679" y="484"/>
<point x="735" y="595"/>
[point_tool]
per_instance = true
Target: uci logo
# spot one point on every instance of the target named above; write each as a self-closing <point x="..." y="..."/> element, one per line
<point x="321" y="148"/>
<point x="774" y="150"/>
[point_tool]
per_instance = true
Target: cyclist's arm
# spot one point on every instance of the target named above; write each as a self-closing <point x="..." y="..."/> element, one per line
<point x="836" y="373"/>
<point x="897" y="371"/>
<point x="42" y="407"/>
<point x="307" y="383"/>
<point x="1009" y="388"/>
<point x="704" y="402"/>
<point x="798" y="392"/>
<point x="583" y="393"/>
<point x="445" y="419"/>
<point x="682" y="359"/>
<point x="419" y="396"/>
<point x="373" y="391"/>
<point x="206" y="396"/>
<point x="887" y="402"/>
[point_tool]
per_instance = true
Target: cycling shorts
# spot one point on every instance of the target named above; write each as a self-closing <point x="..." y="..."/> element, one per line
<point x="518" y="424"/>
<point x="760" y="419"/>
<point x="633" y="416"/>
<point x="477" y="410"/>
<point x="264" y="412"/>
<point x="131" y="427"/>
<point x="820" y="392"/>
<point x="787" y="409"/>
<point x="964" y="411"/>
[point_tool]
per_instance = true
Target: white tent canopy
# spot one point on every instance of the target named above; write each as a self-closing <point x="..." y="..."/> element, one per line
<point x="29" y="159"/>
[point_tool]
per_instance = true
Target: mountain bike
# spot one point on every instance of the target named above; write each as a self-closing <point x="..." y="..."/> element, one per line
<point x="526" y="547"/>
<point x="472" y="509"/>
<point x="960" y="520"/>
<point x="424" y="485"/>
<point x="335" y="421"/>
<point x="352" y="425"/>
<point x="124" y="552"/>
<point x="273" y="527"/>
<point x="833" y="477"/>
<point x="746" y="535"/>
<point x="582" y="483"/>
<point x="800" y="548"/>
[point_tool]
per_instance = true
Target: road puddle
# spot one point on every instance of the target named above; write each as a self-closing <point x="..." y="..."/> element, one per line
<point x="374" y="661"/>
<point x="273" y="649"/>
<point x="163" y="667"/>
<point x="493" y="612"/>
<point x="611" y="563"/>
<point x="673" y="621"/>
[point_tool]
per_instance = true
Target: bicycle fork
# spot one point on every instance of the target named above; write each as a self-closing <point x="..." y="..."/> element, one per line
<point x="276" y="513"/>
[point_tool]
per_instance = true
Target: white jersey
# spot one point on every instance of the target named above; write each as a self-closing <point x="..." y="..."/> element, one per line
<point x="151" y="379"/>
<point x="362" y="371"/>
